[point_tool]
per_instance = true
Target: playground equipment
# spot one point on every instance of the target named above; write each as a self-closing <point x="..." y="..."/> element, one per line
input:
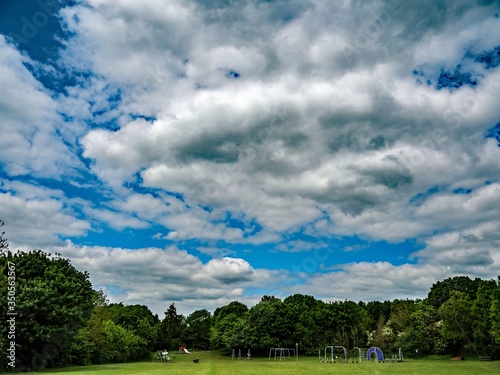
<point x="183" y="350"/>
<point x="281" y="353"/>
<point x="378" y="353"/>
<point x="233" y="354"/>
<point x="360" y="354"/>
<point x="397" y="357"/>
<point x="161" y="355"/>
<point x="336" y="348"/>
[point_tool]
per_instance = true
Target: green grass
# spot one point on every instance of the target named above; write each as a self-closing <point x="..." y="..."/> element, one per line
<point x="212" y="363"/>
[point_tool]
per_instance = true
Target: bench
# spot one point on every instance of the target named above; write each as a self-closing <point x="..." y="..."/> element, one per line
<point x="484" y="358"/>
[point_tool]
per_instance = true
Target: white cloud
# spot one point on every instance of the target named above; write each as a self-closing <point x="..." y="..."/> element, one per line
<point x="29" y="144"/>
<point x="158" y="277"/>
<point x="37" y="222"/>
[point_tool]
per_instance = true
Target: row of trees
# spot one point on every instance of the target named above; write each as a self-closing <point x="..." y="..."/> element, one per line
<point x="58" y="320"/>
<point x="459" y="314"/>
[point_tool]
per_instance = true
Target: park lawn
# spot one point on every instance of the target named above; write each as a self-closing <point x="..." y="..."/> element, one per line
<point x="212" y="363"/>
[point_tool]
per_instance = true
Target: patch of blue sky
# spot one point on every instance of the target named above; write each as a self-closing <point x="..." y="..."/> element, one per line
<point x="456" y="79"/>
<point x="127" y="238"/>
<point x="285" y="11"/>
<point x="249" y="227"/>
<point x="86" y="187"/>
<point x="465" y="73"/>
<point x="328" y="255"/>
<point x="462" y="190"/>
<point x="489" y="59"/>
<point x="448" y="79"/>
<point x="136" y="185"/>
<point x="135" y="116"/>
<point x="233" y="74"/>
<point x="494" y="132"/>
<point x="34" y="26"/>
<point x="111" y="124"/>
<point x="420" y="198"/>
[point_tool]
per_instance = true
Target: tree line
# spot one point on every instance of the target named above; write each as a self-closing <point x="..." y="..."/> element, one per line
<point x="60" y="320"/>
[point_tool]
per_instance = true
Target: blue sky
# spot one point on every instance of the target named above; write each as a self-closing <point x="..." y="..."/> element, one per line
<point x="203" y="152"/>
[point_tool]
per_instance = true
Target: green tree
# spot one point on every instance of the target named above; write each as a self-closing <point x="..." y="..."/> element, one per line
<point x="172" y="327"/>
<point x="53" y="301"/>
<point x="484" y="342"/>
<point x="229" y="326"/>
<point x="441" y="291"/>
<point x="457" y="321"/>
<point x="139" y="320"/>
<point x="197" y="332"/>
<point x="262" y="330"/>
<point x="113" y="343"/>
<point x="299" y="322"/>
<point x="424" y="331"/>
<point x="495" y="314"/>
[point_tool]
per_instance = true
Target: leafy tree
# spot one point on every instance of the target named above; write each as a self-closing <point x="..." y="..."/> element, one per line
<point x="113" y="343"/>
<point x="299" y="321"/>
<point x="484" y="343"/>
<point x="171" y="328"/>
<point x="424" y="331"/>
<point x="441" y="291"/>
<point x="235" y="307"/>
<point x="197" y="330"/>
<point x="139" y="320"/>
<point x="53" y="301"/>
<point x="230" y="332"/>
<point x="457" y="321"/>
<point x="262" y="328"/>
<point x="495" y="314"/>
<point x="229" y="325"/>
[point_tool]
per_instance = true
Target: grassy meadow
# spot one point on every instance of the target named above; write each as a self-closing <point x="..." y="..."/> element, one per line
<point x="213" y="363"/>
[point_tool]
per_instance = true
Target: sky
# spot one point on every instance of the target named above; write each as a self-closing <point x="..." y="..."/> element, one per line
<point x="201" y="152"/>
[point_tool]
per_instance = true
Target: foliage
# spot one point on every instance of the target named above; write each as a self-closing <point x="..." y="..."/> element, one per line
<point x="197" y="332"/>
<point x="113" y="343"/>
<point x="457" y="323"/>
<point x="484" y="342"/>
<point x="53" y="301"/>
<point x="441" y="291"/>
<point x="171" y="328"/>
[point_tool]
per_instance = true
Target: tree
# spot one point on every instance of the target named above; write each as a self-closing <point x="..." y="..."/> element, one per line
<point x="442" y="290"/>
<point x="172" y="327"/>
<point x="457" y="322"/>
<point x="137" y="319"/>
<point x="495" y="314"/>
<point x="113" y="343"/>
<point x="262" y="329"/>
<point x="197" y="330"/>
<point x="234" y="307"/>
<point x="53" y="301"/>
<point x="484" y="343"/>
<point x="229" y="324"/>
<point x="424" y="331"/>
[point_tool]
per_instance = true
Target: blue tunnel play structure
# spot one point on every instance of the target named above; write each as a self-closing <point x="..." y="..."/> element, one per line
<point x="377" y="351"/>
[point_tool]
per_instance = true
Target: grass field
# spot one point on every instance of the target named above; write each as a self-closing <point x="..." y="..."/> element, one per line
<point x="212" y="363"/>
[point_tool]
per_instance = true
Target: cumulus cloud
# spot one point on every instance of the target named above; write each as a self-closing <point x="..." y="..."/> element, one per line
<point x="30" y="144"/>
<point x="158" y="277"/>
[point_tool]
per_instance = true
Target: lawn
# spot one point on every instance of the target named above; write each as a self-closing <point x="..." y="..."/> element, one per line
<point x="212" y="363"/>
